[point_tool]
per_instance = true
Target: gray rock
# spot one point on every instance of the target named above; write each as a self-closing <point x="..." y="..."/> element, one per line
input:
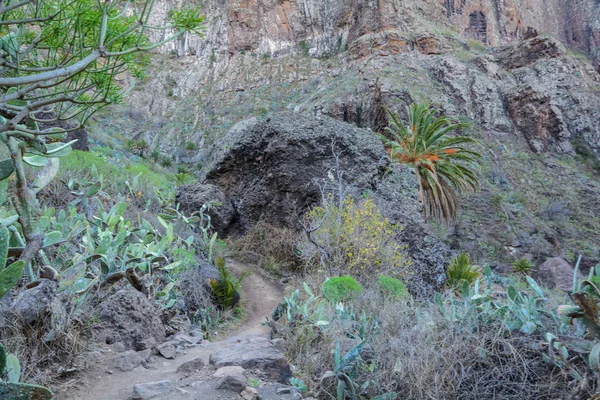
<point x="249" y="394"/>
<point x="193" y="197"/>
<point x="254" y="352"/>
<point x="168" y="349"/>
<point x="37" y="302"/>
<point x="556" y="273"/>
<point x="191" y="366"/>
<point x="118" y="347"/>
<point x="127" y="315"/>
<point x="184" y="339"/>
<point x="151" y="390"/>
<point x="127" y="360"/>
<point x="283" y="390"/>
<point x="148" y="343"/>
<point x="145" y="354"/>
<point x="230" y="370"/>
<point x="236" y="383"/>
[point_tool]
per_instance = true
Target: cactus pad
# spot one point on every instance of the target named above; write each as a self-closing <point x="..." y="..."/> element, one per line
<point x="23" y="391"/>
<point x="9" y="276"/>
<point x="6" y="168"/>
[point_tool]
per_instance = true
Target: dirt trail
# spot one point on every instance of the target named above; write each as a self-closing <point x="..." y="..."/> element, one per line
<point x="259" y="296"/>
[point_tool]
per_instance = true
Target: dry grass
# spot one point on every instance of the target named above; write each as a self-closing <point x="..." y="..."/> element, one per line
<point x="197" y="296"/>
<point x="419" y="354"/>
<point x="43" y="361"/>
<point x="271" y="247"/>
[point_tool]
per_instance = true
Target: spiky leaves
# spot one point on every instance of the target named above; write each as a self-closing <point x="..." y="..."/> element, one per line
<point x="439" y="159"/>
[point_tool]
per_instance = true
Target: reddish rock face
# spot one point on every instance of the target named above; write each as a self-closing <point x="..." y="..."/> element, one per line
<point x="326" y="27"/>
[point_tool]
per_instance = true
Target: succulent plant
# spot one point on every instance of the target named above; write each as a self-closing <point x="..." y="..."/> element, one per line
<point x="11" y="388"/>
<point x="9" y="275"/>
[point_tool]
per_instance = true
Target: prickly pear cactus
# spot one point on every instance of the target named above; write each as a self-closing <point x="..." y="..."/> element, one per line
<point x="4" y="240"/>
<point x="6" y="168"/>
<point x="23" y="391"/>
<point x="13" y="390"/>
<point x="9" y="276"/>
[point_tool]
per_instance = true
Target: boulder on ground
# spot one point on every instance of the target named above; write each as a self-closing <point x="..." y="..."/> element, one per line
<point x="556" y="273"/>
<point x="126" y="315"/>
<point x="193" y="197"/>
<point x="254" y="352"/>
<point x="191" y="366"/>
<point x="150" y="390"/>
<point x="129" y="360"/>
<point x="37" y="303"/>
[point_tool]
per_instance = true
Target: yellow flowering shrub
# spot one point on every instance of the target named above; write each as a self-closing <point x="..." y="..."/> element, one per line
<point x="359" y="241"/>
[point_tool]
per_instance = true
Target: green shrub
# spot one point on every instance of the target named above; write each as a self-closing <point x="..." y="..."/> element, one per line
<point x="358" y="240"/>
<point x="341" y="288"/>
<point x="227" y="287"/>
<point x="392" y="287"/>
<point x="166" y="162"/>
<point x="460" y="270"/>
<point x="475" y="45"/>
<point x="138" y="146"/>
<point x="184" y="179"/>
<point x="155" y="155"/>
<point x="190" y="146"/>
<point x="522" y="266"/>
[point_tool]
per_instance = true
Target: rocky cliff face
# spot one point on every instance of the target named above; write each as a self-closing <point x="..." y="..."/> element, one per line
<point x="533" y="103"/>
<point x="325" y="27"/>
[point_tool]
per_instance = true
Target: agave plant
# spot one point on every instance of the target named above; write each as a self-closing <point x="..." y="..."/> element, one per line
<point x="460" y="270"/>
<point x="438" y="159"/>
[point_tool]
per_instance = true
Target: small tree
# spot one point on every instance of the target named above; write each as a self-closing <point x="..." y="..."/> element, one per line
<point x="437" y="158"/>
<point x="58" y="62"/>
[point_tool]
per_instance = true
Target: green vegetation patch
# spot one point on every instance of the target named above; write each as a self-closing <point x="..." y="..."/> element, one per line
<point x="341" y="288"/>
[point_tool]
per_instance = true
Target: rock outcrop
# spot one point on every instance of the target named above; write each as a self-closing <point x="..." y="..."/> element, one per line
<point x="254" y="352"/>
<point x="325" y="27"/>
<point x="274" y="169"/>
<point x="122" y="311"/>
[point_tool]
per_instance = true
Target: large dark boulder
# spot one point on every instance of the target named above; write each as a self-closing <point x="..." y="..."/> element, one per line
<point x="193" y="197"/>
<point x="267" y="170"/>
<point x="125" y="315"/>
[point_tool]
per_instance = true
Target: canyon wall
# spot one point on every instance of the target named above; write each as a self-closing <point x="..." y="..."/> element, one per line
<point x="325" y="27"/>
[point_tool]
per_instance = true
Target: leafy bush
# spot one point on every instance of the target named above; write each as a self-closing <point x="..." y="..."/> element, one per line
<point x="166" y="162"/>
<point x="357" y="239"/>
<point x="522" y="266"/>
<point x="227" y="287"/>
<point x="155" y="155"/>
<point x="392" y="287"/>
<point x="190" y="146"/>
<point x="183" y="178"/>
<point x="138" y="146"/>
<point x="341" y="288"/>
<point x="461" y="271"/>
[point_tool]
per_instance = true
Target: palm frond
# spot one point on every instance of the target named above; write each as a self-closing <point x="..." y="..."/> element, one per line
<point x="425" y="144"/>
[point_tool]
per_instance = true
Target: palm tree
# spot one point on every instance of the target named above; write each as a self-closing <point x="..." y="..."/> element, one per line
<point x="425" y="145"/>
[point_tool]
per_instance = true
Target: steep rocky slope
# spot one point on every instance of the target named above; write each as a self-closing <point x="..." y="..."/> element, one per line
<point x="533" y="102"/>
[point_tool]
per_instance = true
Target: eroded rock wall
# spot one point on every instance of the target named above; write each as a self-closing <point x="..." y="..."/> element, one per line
<point x="325" y="27"/>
